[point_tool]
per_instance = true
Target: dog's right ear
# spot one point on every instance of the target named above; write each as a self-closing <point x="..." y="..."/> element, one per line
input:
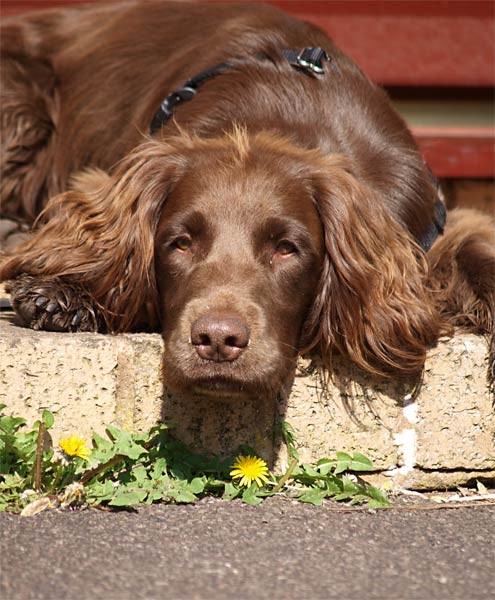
<point x="101" y="234"/>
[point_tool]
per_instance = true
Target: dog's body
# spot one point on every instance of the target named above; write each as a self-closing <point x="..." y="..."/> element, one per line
<point x="276" y="211"/>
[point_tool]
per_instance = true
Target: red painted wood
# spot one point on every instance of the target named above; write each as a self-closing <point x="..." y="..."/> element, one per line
<point x="458" y="152"/>
<point x="411" y="42"/>
<point x="424" y="8"/>
<point x="408" y="8"/>
<point x="413" y="51"/>
<point x="404" y="43"/>
<point x="396" y="42"/>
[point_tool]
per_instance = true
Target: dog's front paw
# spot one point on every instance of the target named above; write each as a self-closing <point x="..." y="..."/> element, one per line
<point x="54" y="305"/>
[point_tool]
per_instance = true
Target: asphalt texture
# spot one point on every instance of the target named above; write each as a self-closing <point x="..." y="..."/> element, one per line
<point x="228" y="550"/>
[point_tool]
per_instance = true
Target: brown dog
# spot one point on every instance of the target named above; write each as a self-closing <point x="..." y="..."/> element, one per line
<point x="277" y="204"/>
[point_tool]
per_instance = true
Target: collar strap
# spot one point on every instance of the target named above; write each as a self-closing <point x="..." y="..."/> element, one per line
<point x="308" y="60"/>
<point x="437" y="226"/>
<point x="311" y="62"/>
<point x="185" y="93"/>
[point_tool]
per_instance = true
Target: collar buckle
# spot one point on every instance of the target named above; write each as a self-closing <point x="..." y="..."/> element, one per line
<point x="309" y="60"/>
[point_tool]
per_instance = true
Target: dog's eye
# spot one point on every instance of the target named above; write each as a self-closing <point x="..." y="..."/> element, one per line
<point x="182" y="243"/>
<point x="285" y="248"/>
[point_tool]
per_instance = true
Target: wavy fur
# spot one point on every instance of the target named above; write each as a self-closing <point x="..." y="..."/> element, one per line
<point x="283" y="206"/>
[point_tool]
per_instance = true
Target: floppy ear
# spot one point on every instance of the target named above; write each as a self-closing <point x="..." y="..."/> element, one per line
<point x="372" y="304"/>
<point x="103" y="239"/>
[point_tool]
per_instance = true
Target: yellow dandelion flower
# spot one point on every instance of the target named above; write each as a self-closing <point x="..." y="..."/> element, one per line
<point x="75" y="446"/>
<point x="249" y="469"/>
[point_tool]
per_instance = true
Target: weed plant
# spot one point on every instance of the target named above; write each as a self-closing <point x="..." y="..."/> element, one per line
<point x="127" y="469"/>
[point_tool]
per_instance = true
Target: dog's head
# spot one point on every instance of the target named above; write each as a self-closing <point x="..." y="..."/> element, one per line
<point x="239" y="250"/>
<point x="248" y="250"/>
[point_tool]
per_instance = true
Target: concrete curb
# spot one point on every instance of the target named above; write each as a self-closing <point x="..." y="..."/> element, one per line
<point x="444" y="438"/>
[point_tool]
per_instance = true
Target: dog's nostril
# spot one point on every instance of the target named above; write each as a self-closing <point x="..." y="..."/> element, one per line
<point x="219" y="337"/>
<point x="203" y="340"/>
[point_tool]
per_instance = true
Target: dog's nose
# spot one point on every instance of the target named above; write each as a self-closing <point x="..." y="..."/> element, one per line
<point x="219" y="337"/>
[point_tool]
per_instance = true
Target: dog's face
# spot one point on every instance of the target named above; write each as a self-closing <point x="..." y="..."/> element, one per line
<point x="248" y="249"/>
<point x="238" y="255"/>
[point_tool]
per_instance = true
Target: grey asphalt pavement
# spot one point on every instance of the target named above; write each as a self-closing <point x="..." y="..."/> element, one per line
<point x="228" y="550"/>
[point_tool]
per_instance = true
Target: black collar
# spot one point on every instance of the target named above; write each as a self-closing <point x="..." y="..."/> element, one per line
<point x="183" y="94"/>
<point x="309" y="61"/>
<point x="437" y="226"/>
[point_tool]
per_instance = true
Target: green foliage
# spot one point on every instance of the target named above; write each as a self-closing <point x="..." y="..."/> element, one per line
<point x="125" y="469"/>
<point x="289" y="436"/>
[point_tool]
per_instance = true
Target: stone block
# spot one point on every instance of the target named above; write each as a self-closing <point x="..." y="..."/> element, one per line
<point x="442" y="436"/>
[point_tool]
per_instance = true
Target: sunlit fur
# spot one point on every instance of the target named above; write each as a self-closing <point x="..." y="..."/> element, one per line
<point x="372" y="304"/>
<point x="103" y="239"/>
<point x="462" y="274"/>
<point x="78" y="91"/>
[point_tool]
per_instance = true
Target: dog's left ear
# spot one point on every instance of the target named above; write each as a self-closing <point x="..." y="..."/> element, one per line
<point x="371" y="305"/>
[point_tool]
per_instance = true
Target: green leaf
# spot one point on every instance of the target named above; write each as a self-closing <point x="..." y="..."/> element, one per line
<point x="125" y="497"/>
<point x="103" y="449"/>
<point x="48" y="419"/>
<point x="100" y="491"/>
<point x="309" y="470"/>
<point x="124" y="444"/>
<point x="176" y="472"/>
<point x="11" y="424"/>
<point x="297" y="471"/>
<point x="140" y="473"/>
<point x="231" y="491"/>
<point x="197" y="485"/>
<point x="333" y="485"/>
<point x="343" y="462"/>
<point x="181" y="495"/>
<point x="343" y="496"/>
<point x="325" y="465"/>
<point x="250" y="495"/>
<point x="314" y="497"/>
<point x="289" y="436"/>
<point x="351" y="487"/>
<point x="153" y="496"/>
<point x="159" y="468"/>
<point x="378" y="497"/>
<point x="360" y="463"/>
<point x="185" y="496"/>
